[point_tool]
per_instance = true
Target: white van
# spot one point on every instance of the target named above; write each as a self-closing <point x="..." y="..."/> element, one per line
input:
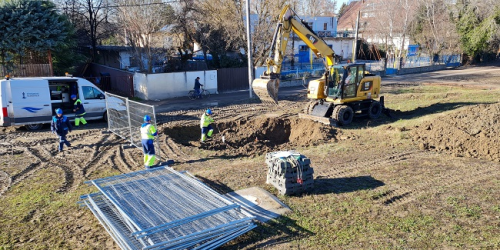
<point x="32" y="101"/>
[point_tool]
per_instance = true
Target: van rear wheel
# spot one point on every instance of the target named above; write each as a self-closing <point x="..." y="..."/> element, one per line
<point x="34" y="126"/>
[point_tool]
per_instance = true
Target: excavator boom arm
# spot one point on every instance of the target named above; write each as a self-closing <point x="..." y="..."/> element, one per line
<point x="266" y="87"/>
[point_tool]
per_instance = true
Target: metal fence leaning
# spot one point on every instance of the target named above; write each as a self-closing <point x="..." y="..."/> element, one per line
<point x="125" y="118"/>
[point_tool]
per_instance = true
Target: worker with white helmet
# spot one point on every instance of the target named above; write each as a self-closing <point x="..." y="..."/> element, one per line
<point x="148" y="133"/>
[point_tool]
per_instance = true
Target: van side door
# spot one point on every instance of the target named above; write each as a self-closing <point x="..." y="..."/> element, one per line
<point x="93" y="101"/>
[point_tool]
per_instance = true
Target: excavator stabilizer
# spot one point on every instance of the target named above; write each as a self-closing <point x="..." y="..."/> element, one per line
<point x="266" y="89"/>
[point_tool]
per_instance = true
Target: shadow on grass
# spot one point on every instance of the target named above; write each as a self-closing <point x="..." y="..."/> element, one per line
<point x="396" y="115"/>
<point x="273" y="232"/>
<point x="216" y="185"/>
<point x="223" y="157"/>
<point x="345" y="185"/>
<point x="269" y="234"/>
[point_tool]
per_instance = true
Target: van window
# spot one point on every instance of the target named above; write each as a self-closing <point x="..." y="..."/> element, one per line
<point x="91" y="93"/>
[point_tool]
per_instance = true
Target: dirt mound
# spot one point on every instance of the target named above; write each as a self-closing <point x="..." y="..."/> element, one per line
<point x="472" y="132"/>
<point x="258" y="135"/>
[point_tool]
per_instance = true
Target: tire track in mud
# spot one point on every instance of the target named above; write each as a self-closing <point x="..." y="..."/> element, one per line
<point x="30" y="169"/>
<point x="170" y="148"/>
<point x="220" y="113"/>
<point x="111" y="162"/>
<point x="352" y="168"/>
<point x="72" y="173"/>
<point x="396" y="194"/>
<point x="129" y="158"/>
<point x="450" y="178"/>
<point x="97" y="153"/>
<point x="123" y="167"/>
<point x="447" y="180"/>
<point x="26" y="173"/>
<point x="97" y="158"/>
<point x="69" y="178"/>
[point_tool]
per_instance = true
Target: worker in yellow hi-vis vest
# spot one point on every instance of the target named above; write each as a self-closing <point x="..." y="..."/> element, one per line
<point x="79" y="112"/>
<point x="148" y="133"/>
<point x="206" y="128"/>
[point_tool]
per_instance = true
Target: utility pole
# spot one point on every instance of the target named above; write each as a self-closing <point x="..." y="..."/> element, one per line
<point x="249" y="51"/>
<point x="355" y="39"/>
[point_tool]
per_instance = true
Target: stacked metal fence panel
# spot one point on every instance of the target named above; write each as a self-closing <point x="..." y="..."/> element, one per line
<point x="289" y="172"/>
<point x="164" y="209"/>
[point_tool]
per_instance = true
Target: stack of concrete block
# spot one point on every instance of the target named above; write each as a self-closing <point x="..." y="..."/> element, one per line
<point x="289" y="172"/>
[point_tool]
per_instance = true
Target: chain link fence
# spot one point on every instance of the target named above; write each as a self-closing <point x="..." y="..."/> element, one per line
<point x="125" y="118"/>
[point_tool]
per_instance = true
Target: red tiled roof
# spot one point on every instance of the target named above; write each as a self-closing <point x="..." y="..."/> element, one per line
<point x="348" y="20"/>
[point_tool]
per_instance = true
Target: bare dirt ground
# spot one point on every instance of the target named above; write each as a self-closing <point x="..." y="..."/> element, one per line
<point x="378" y="184"/>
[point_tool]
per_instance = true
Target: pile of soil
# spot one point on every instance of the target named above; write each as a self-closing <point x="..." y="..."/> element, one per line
<point x="472" y="132"/>
<point x="250" y="136"/>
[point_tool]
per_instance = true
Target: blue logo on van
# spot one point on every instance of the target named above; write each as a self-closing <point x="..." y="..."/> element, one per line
<point x="31" y="109"/>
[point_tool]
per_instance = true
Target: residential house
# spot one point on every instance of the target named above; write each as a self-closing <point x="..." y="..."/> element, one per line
<point x="380" y="23"/>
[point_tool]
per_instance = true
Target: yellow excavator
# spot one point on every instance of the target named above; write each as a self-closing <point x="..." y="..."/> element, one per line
<point x="344" y="90"/>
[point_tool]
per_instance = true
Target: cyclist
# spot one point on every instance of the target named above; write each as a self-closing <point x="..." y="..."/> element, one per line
<point x="197" y="86"/>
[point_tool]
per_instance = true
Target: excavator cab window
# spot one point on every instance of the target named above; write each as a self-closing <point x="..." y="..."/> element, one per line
<point x="334" y="83"/>
<point x="350" y="81"/>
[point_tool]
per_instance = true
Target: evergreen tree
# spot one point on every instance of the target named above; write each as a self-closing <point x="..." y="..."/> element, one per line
<point x="31" y="26"/>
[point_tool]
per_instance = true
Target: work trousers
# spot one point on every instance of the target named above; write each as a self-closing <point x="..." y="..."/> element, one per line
<point x="62" y="141"/>
<point x="149" y="153"/>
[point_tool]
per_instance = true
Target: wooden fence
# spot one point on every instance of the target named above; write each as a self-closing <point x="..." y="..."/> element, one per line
<point x="28" y="70"/>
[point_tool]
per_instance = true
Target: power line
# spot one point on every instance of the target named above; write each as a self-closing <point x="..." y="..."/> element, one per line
<point x="130" y="5"/>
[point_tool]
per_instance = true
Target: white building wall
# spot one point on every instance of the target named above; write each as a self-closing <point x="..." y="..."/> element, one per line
<point x="342" y="47"/>
<point x="124" y="59"/>
<point x="318" y="24"/>
<point x="170" y="85"/>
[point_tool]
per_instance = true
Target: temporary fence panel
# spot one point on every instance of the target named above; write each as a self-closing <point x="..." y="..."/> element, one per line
<point x="137" y="111"/>
<point x="125" y="118"/>
<point x="117" y="114"/>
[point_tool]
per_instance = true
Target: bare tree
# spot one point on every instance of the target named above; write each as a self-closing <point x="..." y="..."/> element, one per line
<point x="90" y="17"/>
<point x="184" y="27"/>
<point x="319" y="7"/>
<point x="142" y="20"/>
<point x="264" y="26"/>
<point x="433" y="27"/>
<point x="220" y="27"/>
<point x="389" y="24"/>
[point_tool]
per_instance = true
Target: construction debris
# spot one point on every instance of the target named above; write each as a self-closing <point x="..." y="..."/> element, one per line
<point x="289" y="172"/>
<point x="164" y="209"/>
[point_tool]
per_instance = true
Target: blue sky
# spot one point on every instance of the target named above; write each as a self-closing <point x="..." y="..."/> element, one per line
<point x="340" y="2"/>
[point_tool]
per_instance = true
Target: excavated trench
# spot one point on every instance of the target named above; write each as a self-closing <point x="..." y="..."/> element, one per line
<point x="253" y="135"/>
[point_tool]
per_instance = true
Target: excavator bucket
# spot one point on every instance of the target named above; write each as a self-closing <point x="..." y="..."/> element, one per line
<point x="266" y="89"/>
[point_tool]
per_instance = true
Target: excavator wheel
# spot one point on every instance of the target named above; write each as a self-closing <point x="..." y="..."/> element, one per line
<point x="343" y="114"/>
<point x="374" y="110"/>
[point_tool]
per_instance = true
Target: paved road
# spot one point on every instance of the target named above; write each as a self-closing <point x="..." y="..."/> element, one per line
<point x="183" y="103"/>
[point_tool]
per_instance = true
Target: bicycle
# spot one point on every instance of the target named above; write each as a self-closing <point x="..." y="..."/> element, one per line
<point x="204" y="94"/>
